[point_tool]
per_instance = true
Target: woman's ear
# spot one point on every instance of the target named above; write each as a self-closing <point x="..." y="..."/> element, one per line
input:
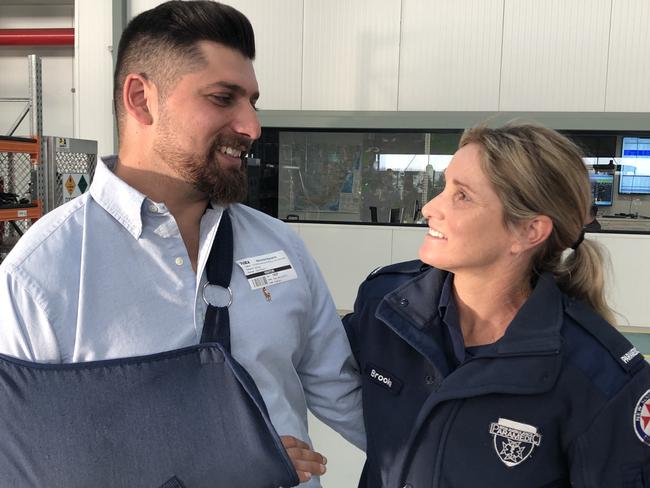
<point x="532" y="233"/>
<point x="138" y="95"/>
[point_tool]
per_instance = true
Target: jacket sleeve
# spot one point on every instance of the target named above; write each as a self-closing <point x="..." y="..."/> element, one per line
<point x="614" y="451"/>
<point x="327" y="369"/>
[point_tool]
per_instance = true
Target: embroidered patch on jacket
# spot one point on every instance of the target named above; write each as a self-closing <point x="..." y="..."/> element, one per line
<point x="642" y="418"/>
<point x="630" y="355"/>
<point x="383" y="378"/>
<point x="514" y="442"/>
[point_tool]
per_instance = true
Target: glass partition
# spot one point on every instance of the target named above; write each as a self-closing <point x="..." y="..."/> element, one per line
<point x="376" y="177"/>
<point x="385" y="177"/>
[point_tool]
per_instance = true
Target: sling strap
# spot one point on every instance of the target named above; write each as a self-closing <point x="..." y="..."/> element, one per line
<point x="216" y="326"/>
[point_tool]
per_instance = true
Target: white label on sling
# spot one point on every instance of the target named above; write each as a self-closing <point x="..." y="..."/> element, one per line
<point x="267" y="269"/>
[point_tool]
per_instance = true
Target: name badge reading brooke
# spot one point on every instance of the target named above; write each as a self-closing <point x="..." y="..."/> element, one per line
<point x="267" y="269"/>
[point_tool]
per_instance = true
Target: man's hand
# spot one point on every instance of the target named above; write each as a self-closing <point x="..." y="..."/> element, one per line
<point x="306" y="461"/>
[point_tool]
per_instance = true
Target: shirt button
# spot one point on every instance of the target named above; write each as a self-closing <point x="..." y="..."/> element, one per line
<point x="404" y="302"/>
<point x="153" y="208"/>
<point x="429" y="380"/>
<point x="179" y="261"/>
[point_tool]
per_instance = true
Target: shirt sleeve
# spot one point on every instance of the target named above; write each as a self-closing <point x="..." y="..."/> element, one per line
<point x="328" y="370"/>
<point x="615" y="449"/>
<point x="25" y="330"/>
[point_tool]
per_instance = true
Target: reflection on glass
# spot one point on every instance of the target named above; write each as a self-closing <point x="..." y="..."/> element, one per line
<point x="359" y="176"/>
<point x="387" y="177"/>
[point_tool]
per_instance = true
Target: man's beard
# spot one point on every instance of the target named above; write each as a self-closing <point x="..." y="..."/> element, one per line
<point x="222" y="185"/>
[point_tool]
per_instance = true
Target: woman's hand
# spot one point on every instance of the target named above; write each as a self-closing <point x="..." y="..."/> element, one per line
<point x="306" y="461"/>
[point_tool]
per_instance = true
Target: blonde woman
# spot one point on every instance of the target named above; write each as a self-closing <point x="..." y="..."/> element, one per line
<point x="491" y="361"/>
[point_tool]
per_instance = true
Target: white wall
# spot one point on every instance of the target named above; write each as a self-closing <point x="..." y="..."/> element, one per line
<point x="57" y="69"/>
<point x="450" y="59"/>
<point x="555" y="55"/>
<point x="629" y="42"/>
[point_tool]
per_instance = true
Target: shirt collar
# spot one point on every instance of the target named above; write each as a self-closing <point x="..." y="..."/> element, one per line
<point x="446" y="295"/>
<point x="115" y="196"/>
<point x="449" y="315"/>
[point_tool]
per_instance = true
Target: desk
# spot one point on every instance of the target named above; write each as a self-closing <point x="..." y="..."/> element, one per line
<point x="624" y="224"/>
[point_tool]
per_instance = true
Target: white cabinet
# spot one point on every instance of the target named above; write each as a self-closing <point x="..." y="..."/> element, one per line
<point x="351" y="54"/>
<point x="278" y="40"/>
<point x="628" y="73"/>
<point x="93" y="74"/>
<point x="346" y="254"/>
<point x="555" y="55"/>
<point x="450" y="55"/>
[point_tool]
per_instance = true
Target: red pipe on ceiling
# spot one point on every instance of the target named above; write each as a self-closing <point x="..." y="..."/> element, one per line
<point x="36" y="37"/>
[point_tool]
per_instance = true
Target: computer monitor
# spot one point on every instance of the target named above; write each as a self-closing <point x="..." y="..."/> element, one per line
<point x="602" y="185"/>
<point x="635" y="166"/>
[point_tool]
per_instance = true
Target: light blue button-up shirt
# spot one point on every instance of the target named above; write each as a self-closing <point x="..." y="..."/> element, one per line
<point x="107" y="275"/>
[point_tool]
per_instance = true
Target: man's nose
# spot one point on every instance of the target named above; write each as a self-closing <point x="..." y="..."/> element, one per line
<point x="247" y="123"/>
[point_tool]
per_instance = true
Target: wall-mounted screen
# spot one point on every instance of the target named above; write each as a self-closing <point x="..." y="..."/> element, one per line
<point x="635" y="166"/>
<point x="602" y="185"/>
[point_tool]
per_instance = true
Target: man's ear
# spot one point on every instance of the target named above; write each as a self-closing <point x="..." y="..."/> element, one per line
<point x="138" y="96"/>
<point x="532" y="233"/>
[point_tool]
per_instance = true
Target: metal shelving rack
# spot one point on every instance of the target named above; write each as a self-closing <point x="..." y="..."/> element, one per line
<point x="37" y="168"/>
<point x="21" y="167"/>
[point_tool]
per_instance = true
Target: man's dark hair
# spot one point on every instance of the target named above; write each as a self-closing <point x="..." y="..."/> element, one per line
<point x="161" y="43"/>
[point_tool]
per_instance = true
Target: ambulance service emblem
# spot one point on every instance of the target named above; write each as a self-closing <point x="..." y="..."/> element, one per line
<point x="642" y="418"/>
<point x="514" y="442"/>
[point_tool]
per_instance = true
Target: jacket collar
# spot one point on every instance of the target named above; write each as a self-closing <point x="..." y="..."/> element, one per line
<point x="535" y="328"/>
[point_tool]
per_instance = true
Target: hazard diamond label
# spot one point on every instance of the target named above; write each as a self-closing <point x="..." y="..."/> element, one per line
<point x="74" y="184"/>
<point x="70" y="185"/>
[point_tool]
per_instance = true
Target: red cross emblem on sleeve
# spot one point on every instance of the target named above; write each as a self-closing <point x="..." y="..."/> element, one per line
<point x="642" y="418"/>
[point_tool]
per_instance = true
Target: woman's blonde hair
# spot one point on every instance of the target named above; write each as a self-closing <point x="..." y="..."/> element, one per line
<point x="537" y="171"/>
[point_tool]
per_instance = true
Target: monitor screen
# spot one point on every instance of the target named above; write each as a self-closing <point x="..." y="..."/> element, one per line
<point x="602" y="185"/>
<point x="635" y="166"/>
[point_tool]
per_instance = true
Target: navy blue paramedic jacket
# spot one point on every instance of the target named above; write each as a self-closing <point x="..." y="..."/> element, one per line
<point x="562" y="399"/>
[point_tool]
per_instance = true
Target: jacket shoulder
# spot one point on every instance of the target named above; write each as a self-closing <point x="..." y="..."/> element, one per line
<point x="600" y="351"/>
<point x="386" y="278"/>
<point x="618" y="347"/>
<point x="412" y="268"/>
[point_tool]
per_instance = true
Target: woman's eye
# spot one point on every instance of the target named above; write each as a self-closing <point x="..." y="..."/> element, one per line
<point x="461" y="195"/>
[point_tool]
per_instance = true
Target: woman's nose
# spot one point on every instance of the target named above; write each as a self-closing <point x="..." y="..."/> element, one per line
<point x="432" y="209"/>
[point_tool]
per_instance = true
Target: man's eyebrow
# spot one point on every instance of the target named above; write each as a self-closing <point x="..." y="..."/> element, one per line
<point x="238" y="89"/>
